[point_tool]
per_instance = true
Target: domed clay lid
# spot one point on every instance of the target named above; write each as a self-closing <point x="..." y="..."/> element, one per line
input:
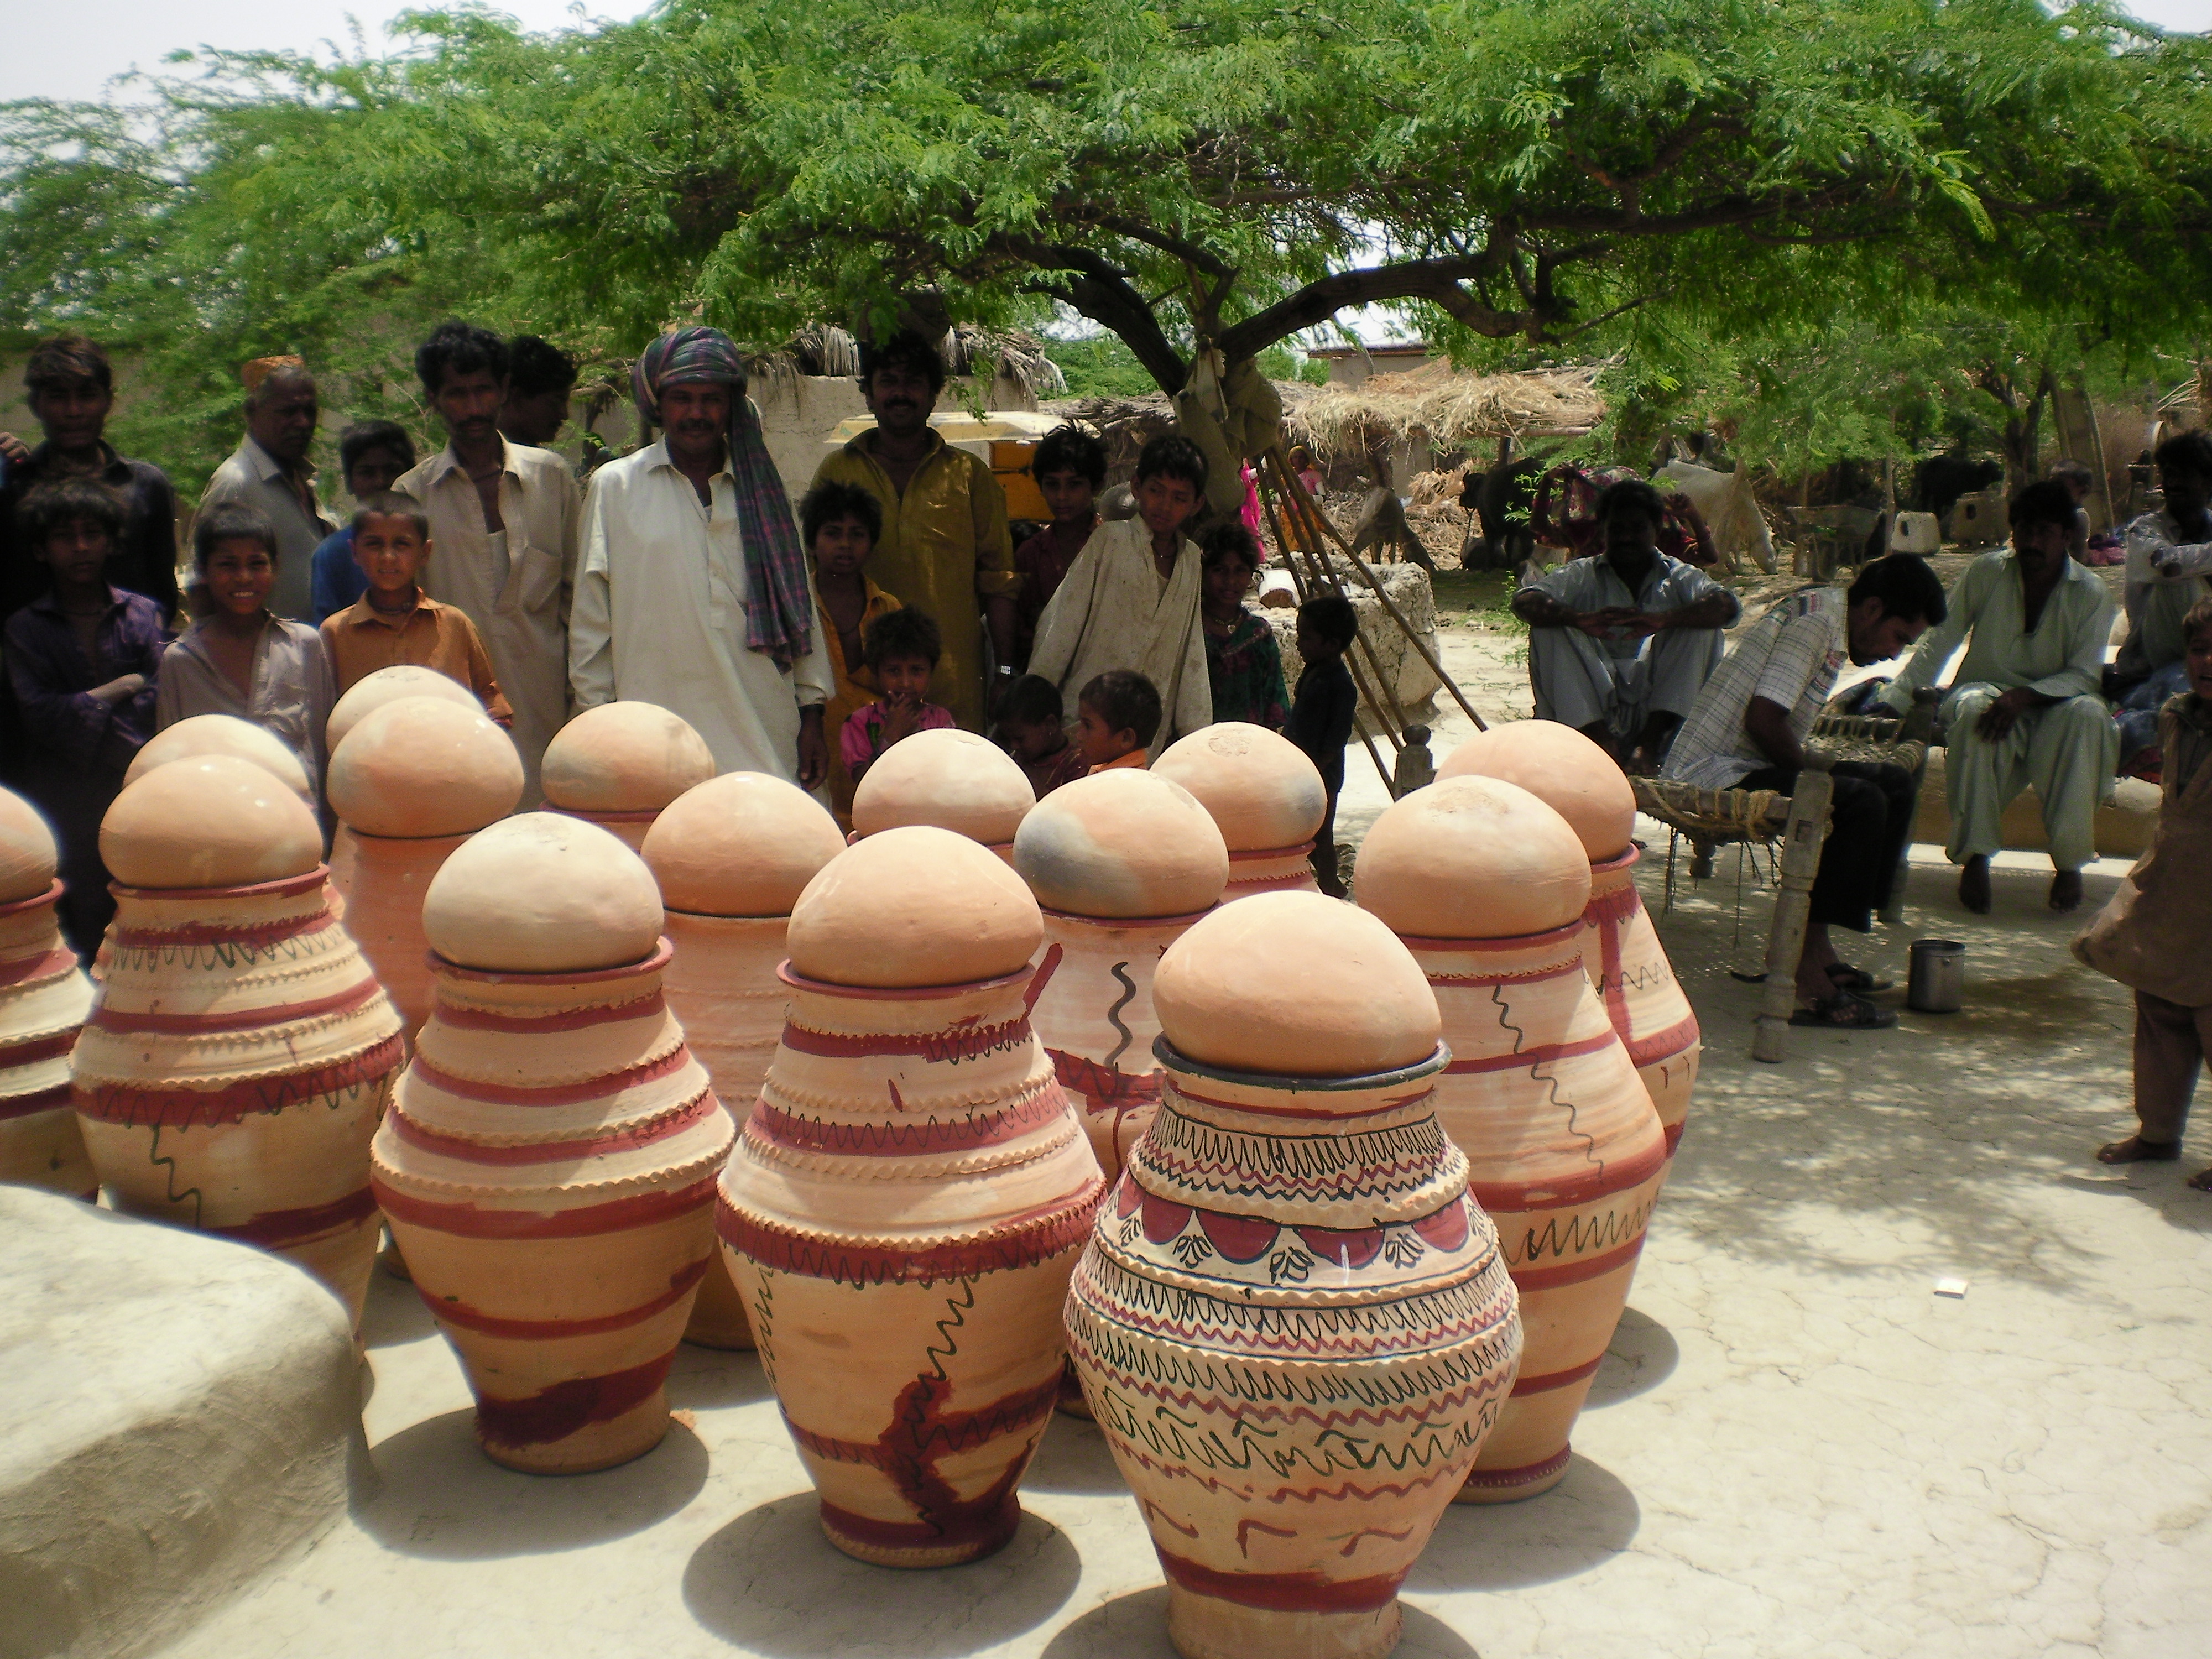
<point x="913" y="907"/>
<point x="623" y="758"/>
<point x="1296" y="985"/>
<point x="542" y="893"/>
<point x="424" y="766"/>
<point x="1564" y="771"/>
<point x="372" y="691"/>
<point x="744" y="844"/>
<point x="221" y="734"/>
<point x="1259" y="786"/>
<point x="1472" y="857"/>
<point x="208" y="821"/>
<point x="1122" y="843"/>
<point x="28" y="857"/>
<point x="950" y="779"/>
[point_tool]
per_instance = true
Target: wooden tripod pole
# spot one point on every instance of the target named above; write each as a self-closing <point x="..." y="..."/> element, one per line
<point x="1388" y="778"/>
<point x="1303" y="511"/>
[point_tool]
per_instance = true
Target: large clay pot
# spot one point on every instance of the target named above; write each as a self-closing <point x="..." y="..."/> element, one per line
<point x="548" y="1165"/>
<point x="1625" y="961"/>
<point x="732" y="856"/>
<point x="1487" y="886"/>
<point x="221" y="734"/>
<point x="412" y="779"/>
<point x="618" y="764"/>
<point x="1293" y="1326"/>
<point x="1266" y="795"/>
<point x="372" y="691"/>
<point x="912" y="1171"/>
<point x="44" y="995"/>
<point x="239" y="1051"/>
<point x="950" y="778"/>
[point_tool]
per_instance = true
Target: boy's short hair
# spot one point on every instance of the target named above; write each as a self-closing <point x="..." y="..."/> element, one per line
<point x="47" y="507"/>
<point x="1032" y="699"/>
<point x="1905" y="586"/>
<point x="363" y="436"/>
<point x="2074" y="472"/>
<point x="1172" y="455"/>
<point x="903" y="633"/>
<point x="2189" y="452"/>
<point x="2198" y="621"/>
<point x="1333" y="618"/>
<point x="1071" y="449"/>
<point x="535" y="366"/>
<point x="1127" y="701"/>
<point x="1632" y="494"/>
<point x="231" y="521"/>
<point x="904" y="349"/>
<point x="1228" y="540"/>
<point x="458" y="348"/>
<point x="2046" y="503"/>
<point x="394" y="504"/>
<point x="64" y="358"/>
<point x="831" y="501"/>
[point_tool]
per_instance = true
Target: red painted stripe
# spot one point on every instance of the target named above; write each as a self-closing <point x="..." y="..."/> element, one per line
<point x="628" y="1138"/>
<point x="1299" y="851"/>
<point x="1505" y="977"/>
<point x="663" y="952"/>
<point x="798" y="981"/>
<point x="1010" y="1413"/>
<point x="1112" y="923"/>
<point x="650" y="1006"/>
<point x="1552" y="1380"/>
<point x="1624" y="860"/>
<point x="1540" y="1056"/>
<point x="1564" y="934"/>
<point x="278" y="1229"/>
<point x="591" y="814"/>
<point x="1282" y="1592"/>
<point x="282" y="887"/>
<point x="1395" y="1103"/>
<point x="1519" y="1197"/>
<point x="252" y="938"/>
<point x="963" y="1040"/>
<point x="130" y="1105"/>
<point x="1527" y="1474"/>
<point x="1677" y="1039"/>
<point x="13" y="1055"/>
<point x="1576" y="1272"/>
<point x="1107" y="1083"/>
<point x="106" y="1016"/>
<point x="1675" y="1135"/>
<point x="564" y="1094"/>
<point x="464" y="1219"/>
<point x="555" y="1413"/>
<point x="56" y="1099"/>
<point x="22" y="907"/>
<point x="882" y="1137"/>
<point x="553" y="1330"/>
<point x="1036" y="1236"/>
<point x="56" y="963"/>
<point x="985" y="1532"/>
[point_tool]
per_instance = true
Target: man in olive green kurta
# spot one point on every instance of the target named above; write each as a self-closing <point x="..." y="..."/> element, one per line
<point x="944" y="549"/>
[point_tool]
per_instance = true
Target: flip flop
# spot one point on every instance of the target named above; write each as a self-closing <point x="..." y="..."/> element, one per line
<point x="1845" y="1012"/>
<point x="1848" y="978"/>
<point x="2136" y="1149"/>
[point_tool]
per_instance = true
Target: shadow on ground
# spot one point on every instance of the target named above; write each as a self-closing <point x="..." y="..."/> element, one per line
<point x="1072" y="1458"/>
<point x="1135" y="1626"/>
<point x="1643" y="1355"/>
<point x="770" y="1583"/>
<point x="1585" y="1521"/>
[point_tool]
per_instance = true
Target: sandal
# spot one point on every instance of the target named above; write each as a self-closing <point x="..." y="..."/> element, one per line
<point x="2202" y="1180"/>
<point x="2136" y="1149"/>
<point x="1848" y="978"/>
<point x="1845" y="1012"/>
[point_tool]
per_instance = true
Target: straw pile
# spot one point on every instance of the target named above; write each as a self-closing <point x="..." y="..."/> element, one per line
<point x="1447" y="410"/>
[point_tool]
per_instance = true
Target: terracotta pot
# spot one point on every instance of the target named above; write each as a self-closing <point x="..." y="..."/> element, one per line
<point x="623" y="758"/>
<point x="43" y="996"/>
<point x="209" y="821"/>
<point x="1561" y="767"/>
<point x="424" y="766"/>
<point x="235" y="1062"/>
<point x="372" y="691"/>
<point x="543" y="893"/>
<point x="1285" y="1256"/>
<point x="1266" y="795"/>
<point x="1564" y="1150"/>
<point x="548" y="1171"/>
<point x="1643" y="999"/>
<point x="382" y="879"/>
<point x="911" y="1168"/>
<point x="948" y="779"/>
<point x="221" y="734"/>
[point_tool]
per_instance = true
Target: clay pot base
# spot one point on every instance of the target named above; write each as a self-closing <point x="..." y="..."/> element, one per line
<point x="1513" y="1485"/>
<point x="718" y="1317"/>
<point x="604" y="1445"/>
<point x="1071" y="1402"/>
<point x="1204" y="1627"/>
<point x="883" y="1545"/>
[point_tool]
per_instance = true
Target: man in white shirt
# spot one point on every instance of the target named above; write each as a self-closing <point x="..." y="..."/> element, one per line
<point x="693" y="592"/>
<point x="2169" y="556"/>
<point x="271" y="472"/>
<point x="1748" y="729"/>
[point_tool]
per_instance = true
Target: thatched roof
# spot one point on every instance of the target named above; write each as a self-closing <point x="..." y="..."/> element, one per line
<point x="823" y="348"/>
<point x="1448" y="409"/>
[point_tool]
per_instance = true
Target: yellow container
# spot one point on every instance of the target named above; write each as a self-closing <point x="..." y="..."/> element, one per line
<point x="1010" y="465"/>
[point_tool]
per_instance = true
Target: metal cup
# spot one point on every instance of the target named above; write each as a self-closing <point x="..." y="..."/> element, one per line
<point x="1937" y="982"/>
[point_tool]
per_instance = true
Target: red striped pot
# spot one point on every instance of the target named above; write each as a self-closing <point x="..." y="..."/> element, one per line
<point x="236" y="1061"/>
<point x="1565" y="1154"/>
<point x="1271" y="870"/>
<point x="902" y="1213"/>
<point x="382" y="879"/>
<point x="1296" y="1331"/>
<point x="1629" y="967"/>
<point x="723" y="986"/>
<point x="44" y="995"/>
<point x="548" y="1168"/>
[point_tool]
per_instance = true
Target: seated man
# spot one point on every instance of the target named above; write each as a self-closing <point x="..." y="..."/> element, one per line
<point x="1621" y="642"/>
<point x="2024" y="707"/>
<point x="1749" y="730"/>
<point x="2169" y="552"/>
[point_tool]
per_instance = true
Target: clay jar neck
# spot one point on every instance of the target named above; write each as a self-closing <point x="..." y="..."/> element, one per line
<point x="30" y="930"/>
<point x="1612" y="889"/>
<point x="296" y="904"/>
<point x="1162" y="931"/>
<point x="984" y="1016"/>
<point x="687" y="928"/>
<point x="518" y="1004"/>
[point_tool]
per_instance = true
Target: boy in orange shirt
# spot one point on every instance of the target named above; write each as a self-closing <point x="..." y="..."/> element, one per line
<point x="395" y="622"/>
<point x="1117" y="715"/>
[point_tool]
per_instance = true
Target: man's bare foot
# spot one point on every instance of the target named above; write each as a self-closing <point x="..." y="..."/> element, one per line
<point x="2136" y="1149"/>
<point x="1974" y="884"/>
<point x="2202" y="1180"/>
<point x="2066" y="891"/>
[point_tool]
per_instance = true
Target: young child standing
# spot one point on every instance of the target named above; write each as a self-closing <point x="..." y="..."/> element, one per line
<point x="82" y="658"/>
<point x="240" y="659"/>
<point x="1070" y="469"/>
<point x="1244" y="665"/>
<point x="373" y="454"/>
<point x="2151" y="936"/>
<point x="394" y="622"/>
<point x="1032" y="728"/>
<point x="902" y="647"/>
<point x="1116" y="718"/>
<point x="1322" y="715"/>
<point x="842" y="523"/>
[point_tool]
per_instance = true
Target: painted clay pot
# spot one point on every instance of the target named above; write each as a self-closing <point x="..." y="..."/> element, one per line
<point x="1283" y="1258"/>
<point x="411" y="782"/>
<point x="1626" y="963"/>
<point x="911" y="1169"/>
<point x="1267" y="797"/>
<point x="732" y="856"/>
<point x="239" y="1052"/>
<point x="372" y="691"/>
<point x="950" y="778"/>
<point x="221" y="734"/>
<point x="548" y="1164"/>
<point x="618" y="764"/>
<point x="44" y="995"/>
<point x="1565" y="1150"/>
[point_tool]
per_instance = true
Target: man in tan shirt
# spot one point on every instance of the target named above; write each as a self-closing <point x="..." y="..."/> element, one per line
<point x="394" y="623"/>
<point x="505" y="518"/>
